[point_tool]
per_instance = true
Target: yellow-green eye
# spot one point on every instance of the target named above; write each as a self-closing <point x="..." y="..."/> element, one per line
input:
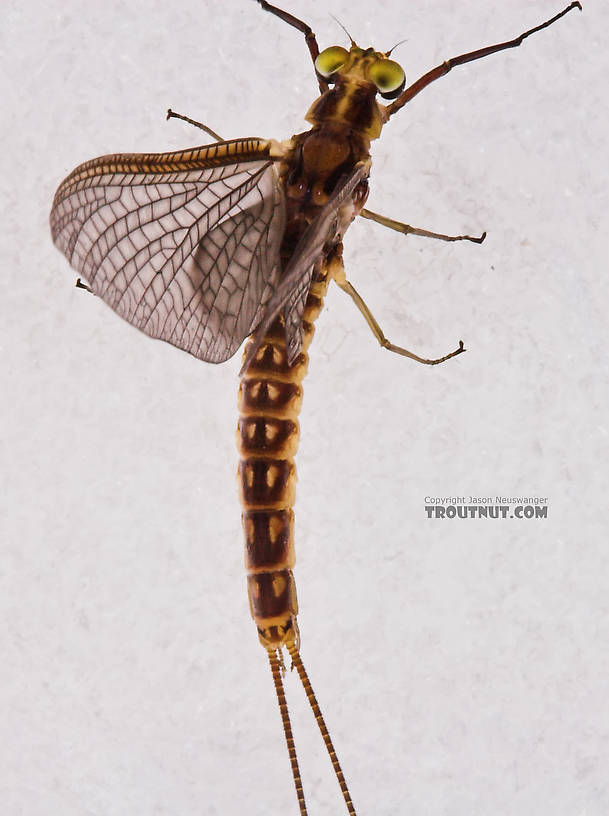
<point x="330" y="60"/>
<point x="388" y="77"/>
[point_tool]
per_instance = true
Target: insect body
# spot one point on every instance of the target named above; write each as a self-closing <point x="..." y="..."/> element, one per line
<point x="207" y="246"/>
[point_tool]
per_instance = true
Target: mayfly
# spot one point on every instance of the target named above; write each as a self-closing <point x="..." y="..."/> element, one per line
<point x="208" y="246"/>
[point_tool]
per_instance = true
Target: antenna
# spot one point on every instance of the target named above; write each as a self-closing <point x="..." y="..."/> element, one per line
<point x="336" y="20"/>
<point x="387" y="53"/>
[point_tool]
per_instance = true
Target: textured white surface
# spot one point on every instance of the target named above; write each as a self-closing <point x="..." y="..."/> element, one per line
<point x="462" y="665"/>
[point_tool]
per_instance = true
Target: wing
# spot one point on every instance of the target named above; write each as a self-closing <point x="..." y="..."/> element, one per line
<point x="183" y="245"/>
<point x="291" y="293"/>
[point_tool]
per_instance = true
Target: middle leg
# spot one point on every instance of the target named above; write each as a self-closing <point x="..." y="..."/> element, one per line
<point x="407" y="229"/>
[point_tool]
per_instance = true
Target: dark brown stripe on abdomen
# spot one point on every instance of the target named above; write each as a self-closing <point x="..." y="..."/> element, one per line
<point x="270" y="396"/>
<point x="267" y="436"/>
<point x="267" y="483"/>
<point x="269" y="541"/>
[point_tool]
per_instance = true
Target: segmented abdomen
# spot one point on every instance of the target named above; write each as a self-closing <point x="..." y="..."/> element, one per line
<point x="270" y="397"/>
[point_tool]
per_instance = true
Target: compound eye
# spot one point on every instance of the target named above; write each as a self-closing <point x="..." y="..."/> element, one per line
<point x="330" y="60"/>
<point x="388" y="77"/>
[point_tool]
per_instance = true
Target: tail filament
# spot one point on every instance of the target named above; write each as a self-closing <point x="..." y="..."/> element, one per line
<point x="276" y="666"/>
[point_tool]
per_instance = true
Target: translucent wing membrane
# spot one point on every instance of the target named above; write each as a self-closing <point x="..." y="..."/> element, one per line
<point x="182" y="245"/>
<point x="291" y="294"/>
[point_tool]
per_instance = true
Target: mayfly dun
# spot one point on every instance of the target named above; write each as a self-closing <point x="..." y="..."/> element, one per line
<point x="239" y="239"/>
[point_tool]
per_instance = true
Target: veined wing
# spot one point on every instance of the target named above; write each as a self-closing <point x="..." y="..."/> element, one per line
<point x="291" y="294"/>
<point x="182" y="245"/>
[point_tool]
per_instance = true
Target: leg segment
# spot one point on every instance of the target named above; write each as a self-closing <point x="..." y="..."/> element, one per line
<point x="445" y="67"/>
<point x="309" y="35"/>
<point x="80" y="285"/>
<point x="406" y="229"/>
<point x="172" y="115"/>
<point x="338" y="273"/>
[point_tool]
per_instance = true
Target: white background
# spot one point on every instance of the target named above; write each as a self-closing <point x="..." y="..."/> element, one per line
<point x="462" y="665"/>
